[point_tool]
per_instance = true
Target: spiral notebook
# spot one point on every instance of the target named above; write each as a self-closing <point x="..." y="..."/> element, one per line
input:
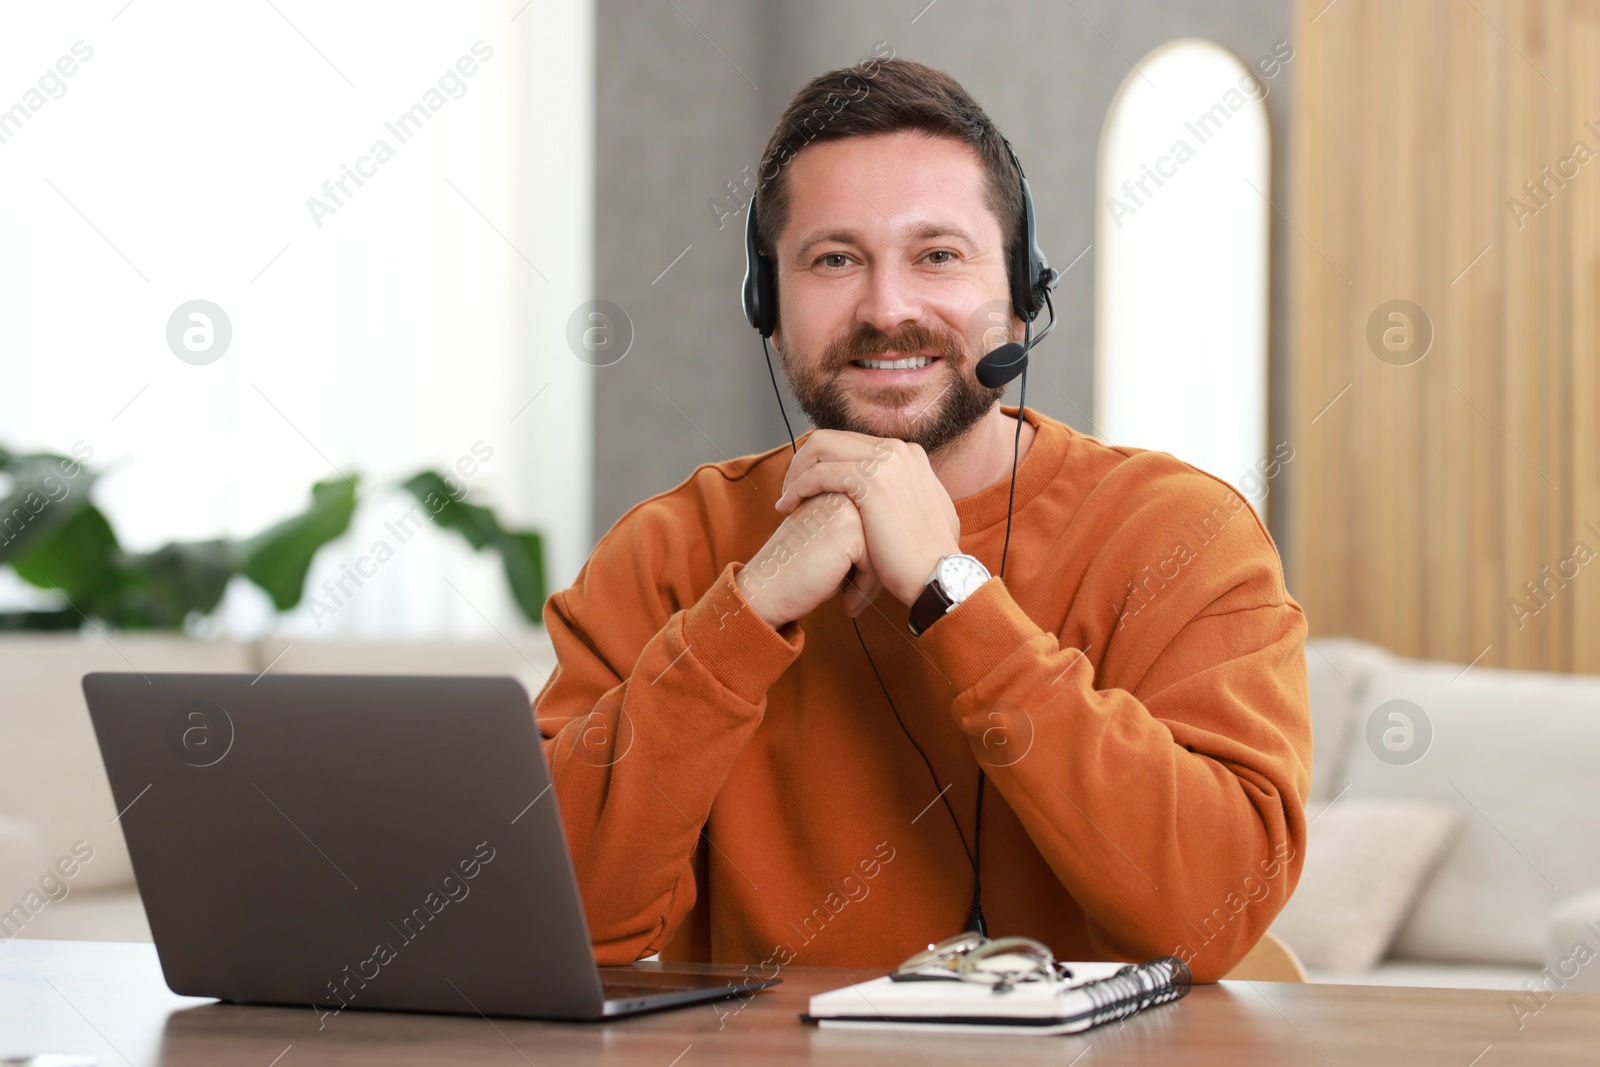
<point x="1096" y="993"/>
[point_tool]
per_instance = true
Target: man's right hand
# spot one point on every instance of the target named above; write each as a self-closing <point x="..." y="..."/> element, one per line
<point x="807" y="559"/>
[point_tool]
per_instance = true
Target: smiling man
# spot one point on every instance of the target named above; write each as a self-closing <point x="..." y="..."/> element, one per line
<point x="1114" y="736"/>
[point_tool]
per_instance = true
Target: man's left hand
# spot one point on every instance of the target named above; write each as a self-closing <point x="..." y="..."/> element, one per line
<point x="909" y="520"/>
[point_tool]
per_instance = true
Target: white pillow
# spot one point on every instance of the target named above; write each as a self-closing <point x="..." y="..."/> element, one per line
<point x="1366" y="862"/>
<point x="1514" y="753"/>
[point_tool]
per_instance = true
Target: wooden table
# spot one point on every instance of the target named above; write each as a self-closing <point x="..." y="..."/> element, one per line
<point x="109" y="1000"/>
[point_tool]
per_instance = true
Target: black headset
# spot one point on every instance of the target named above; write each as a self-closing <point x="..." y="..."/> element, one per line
<point x="1031" y="279"/>
<point x="1030" y="275"/>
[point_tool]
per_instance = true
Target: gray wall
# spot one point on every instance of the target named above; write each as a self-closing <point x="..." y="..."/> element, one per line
<point x="676" y="120"/>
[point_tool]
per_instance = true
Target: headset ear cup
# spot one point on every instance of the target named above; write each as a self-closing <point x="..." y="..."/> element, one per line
<point x="1022" y="276"/>
<point x="767" y="292"/>
<point x="760" y="289"/>
<point x="1022" y="301"/>
<point x="1031" y="276"/>
<point x="1034" y="270"/>
<point x="750" y="289"/>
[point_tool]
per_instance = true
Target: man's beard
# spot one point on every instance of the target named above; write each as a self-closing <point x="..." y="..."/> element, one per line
<point x="944" y="419"/>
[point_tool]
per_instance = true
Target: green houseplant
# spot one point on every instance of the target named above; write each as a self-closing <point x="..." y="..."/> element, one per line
<point x="55" y="538"/>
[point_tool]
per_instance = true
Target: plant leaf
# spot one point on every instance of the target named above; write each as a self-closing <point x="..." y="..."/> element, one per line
<point x="521" y="551"/>
<point x="79" y="558"/>
<point x="278" y="558"/>
<point x="42" y="500"/>
<point x="522" y="554"/>
<point x="161" y="588"/>
<point x="477" y="524"/>
<point x="32" y="621"/>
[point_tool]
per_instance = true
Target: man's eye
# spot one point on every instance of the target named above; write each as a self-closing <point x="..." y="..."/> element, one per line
<point x="834" y="259"/>
<point x="944" y="252"/>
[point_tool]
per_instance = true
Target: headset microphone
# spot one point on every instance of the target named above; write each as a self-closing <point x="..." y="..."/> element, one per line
<point x="1003" y="364"/>
<point x="1009" y="360"/>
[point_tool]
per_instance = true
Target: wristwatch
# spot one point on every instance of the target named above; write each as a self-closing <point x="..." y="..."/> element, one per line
<point x="956" y="577"/>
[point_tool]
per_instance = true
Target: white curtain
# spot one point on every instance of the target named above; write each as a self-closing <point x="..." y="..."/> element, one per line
<point x="382" y="323"/>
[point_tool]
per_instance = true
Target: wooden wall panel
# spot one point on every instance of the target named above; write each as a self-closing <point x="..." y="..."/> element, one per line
<point x="1586" y="341"/>
<point x="1429" y="496"/>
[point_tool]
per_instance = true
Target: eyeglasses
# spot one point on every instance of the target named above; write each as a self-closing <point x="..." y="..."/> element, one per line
<point x="969" y="957"/>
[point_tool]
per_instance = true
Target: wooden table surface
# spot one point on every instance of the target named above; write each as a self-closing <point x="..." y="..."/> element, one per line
<point x="109" y="1000"/>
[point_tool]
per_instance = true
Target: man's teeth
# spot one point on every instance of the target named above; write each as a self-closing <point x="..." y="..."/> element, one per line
<point x="909" y="363"/>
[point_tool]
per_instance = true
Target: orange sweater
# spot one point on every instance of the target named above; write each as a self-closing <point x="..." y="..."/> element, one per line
<point x="1135" y="689"/>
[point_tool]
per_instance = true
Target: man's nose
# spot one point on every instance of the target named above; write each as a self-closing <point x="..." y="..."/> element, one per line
<point x="890" y="298"/>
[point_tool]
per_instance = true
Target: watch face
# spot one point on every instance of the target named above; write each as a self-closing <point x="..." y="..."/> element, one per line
<point x="960" y="576"/>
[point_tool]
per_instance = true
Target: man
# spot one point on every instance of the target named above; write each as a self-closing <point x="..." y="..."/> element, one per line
<point x="734" y="782"/>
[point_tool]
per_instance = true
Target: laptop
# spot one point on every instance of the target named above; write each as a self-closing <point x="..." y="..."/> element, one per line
<point x="361" y="841"/>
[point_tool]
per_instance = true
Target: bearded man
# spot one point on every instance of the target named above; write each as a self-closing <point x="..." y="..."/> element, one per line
<point x="800" y="717"/>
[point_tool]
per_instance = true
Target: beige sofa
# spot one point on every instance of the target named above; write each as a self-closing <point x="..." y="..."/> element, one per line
<point x="1509" y="767"/>
<point x="53" y="789"/>
<point x="1462" y="802"/>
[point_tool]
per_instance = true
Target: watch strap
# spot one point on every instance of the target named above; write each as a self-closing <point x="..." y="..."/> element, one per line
<point x="929" y="607"/>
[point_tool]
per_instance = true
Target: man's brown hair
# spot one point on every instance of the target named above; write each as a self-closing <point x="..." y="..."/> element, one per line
<point x="880" y="96"/>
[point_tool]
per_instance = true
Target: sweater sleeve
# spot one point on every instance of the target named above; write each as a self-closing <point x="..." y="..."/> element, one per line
<point x="1170" y="795"/>
<point x="642" y="721"/>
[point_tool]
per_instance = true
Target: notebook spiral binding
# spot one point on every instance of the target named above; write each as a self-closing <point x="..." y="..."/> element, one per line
<point x="1138" y="986"/>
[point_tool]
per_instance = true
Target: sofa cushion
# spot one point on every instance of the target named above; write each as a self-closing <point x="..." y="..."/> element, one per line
<point x="527" y="656"/>
<point x="1572" y="945"/>
<point x="50" y="769"/>
<point x="1515" y="752"/>
<point x="1366" y="861"/>
<point x="95" y="915"/>
<point x="22" y="857"/>
<point x="1338" y="670"/>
